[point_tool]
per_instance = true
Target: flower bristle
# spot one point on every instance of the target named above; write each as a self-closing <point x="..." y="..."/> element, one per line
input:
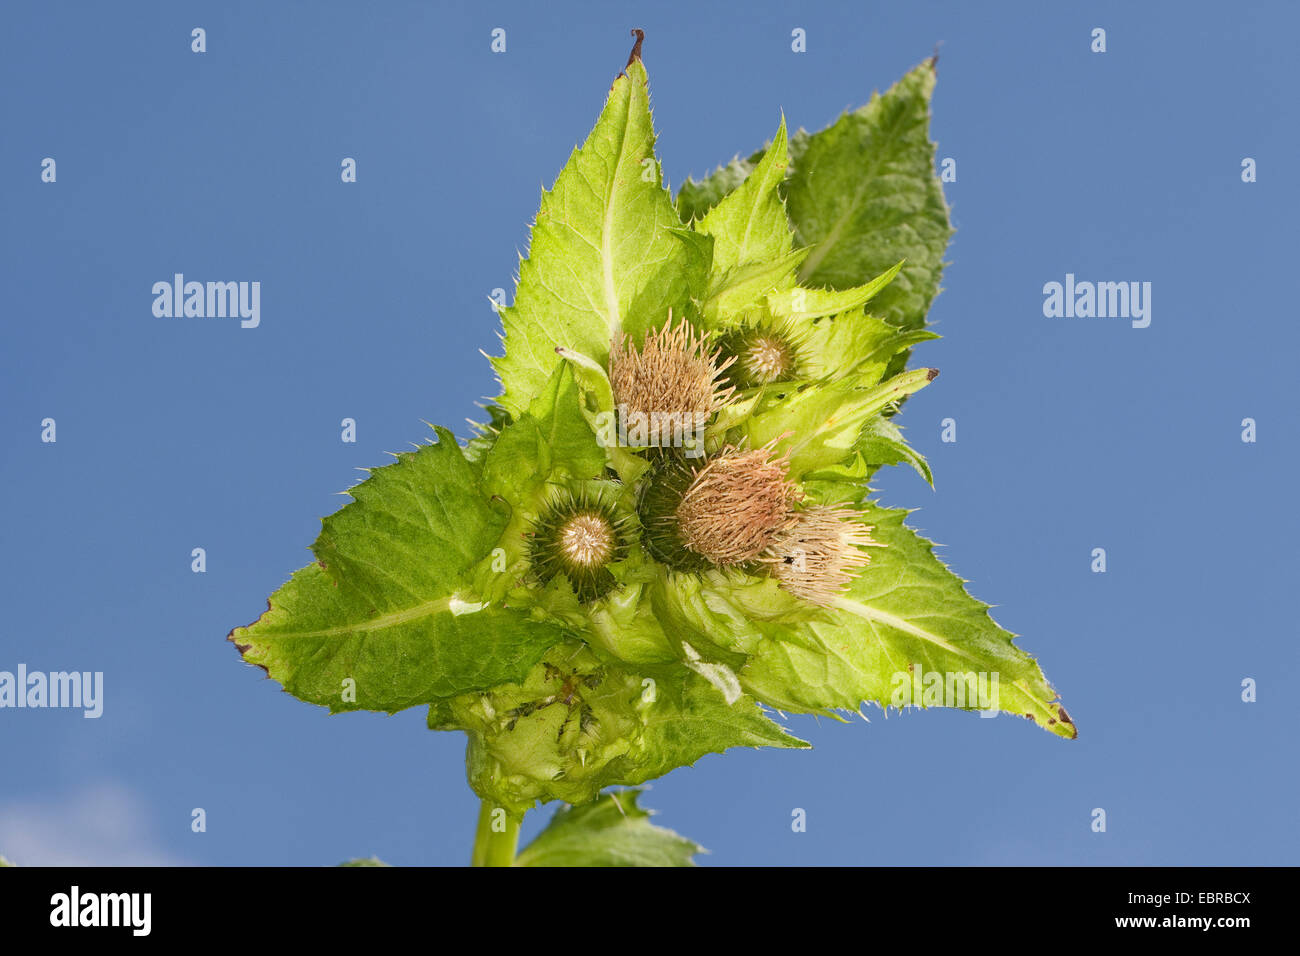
<point x="674" y="375"/>
<point x="818" y="555"/>
<point x="657" y="510"/>
<point x="722" y="512"/>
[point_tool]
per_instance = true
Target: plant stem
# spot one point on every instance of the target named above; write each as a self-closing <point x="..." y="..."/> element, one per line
<point x="495" y="847"/>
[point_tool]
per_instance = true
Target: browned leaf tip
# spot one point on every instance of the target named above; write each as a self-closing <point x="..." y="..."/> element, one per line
<point x="1065" y="719"/>
<point x="635" y="55"/>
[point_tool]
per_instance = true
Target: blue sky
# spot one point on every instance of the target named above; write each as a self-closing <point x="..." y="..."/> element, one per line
<point x="1072" y="434"/>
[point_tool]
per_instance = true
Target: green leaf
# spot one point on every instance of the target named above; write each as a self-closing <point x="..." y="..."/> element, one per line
<point x="581" y="722"/>
<point x="737" y="289"/>
<point x="695" y="199"/>
<point x="610" y="831"/>
<point x="905" y="617"/>
<point x="4" y="862"/>
<point x="819" y="424"/>
<point x="603" y="258"/>
<point x="882" y="443"/>
<point x="750" y="224"/>
<point x="365" y="861"/>
<point x="485" y="433"/>
<point x="553" y="439"/>
<point x="802" y="304"/>
<point x="853" y="344"/>
<point x="864" y="194"/>
<point x="386" y="614"/>
<point x="320" y="640"/>
<point x="412" y="528"/>
<point x="596" y="404"/>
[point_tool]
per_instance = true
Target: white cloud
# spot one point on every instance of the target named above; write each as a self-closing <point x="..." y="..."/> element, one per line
<point x="103" y="825"/>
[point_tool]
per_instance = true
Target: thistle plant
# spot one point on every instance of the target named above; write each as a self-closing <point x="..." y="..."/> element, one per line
<point x="663" y="538"/>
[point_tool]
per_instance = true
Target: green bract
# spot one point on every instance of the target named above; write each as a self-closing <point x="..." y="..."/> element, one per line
<point x="520" y="587"/>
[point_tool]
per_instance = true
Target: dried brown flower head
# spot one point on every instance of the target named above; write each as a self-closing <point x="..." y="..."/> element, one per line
<point x="816" y="557"/>
<point x="736" y="505"/>
<point x="672" y="381"/>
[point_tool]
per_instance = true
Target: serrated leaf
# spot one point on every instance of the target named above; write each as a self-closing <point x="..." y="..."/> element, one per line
<point x="818" y="424"/>
<point x="864" y="193"/>
<point x="853" y="344"/>
<point x="696" y="720"/>
<point x="734" y="291"/>
<point x="551" y="440"/>
<point x="801" y="305"/>
<point x="485" y="433"/>
<point x="602" y="258"/>
<point x="610" y="831"/>
<point x="386" y="620"/>
<point x="750" y="224"/>
<point x="412" y="528"/>
<point x="318" y="635"/>
<point x="906" y="616"/>
<point x="696" y="198"/>
<point x="882" y="443"/>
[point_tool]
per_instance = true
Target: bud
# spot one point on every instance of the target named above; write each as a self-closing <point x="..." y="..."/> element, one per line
<point x="762" y="355"/>
<point x="563" y="732"/>
<point x="578" y="535"/>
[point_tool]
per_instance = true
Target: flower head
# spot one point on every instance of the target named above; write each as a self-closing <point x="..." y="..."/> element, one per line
<point x="816" y="556"/>
<point x="723" y="512"/>
<point x="578" y="535"/>
<point x="762" y="354"/>
<point x="674" y="377"/>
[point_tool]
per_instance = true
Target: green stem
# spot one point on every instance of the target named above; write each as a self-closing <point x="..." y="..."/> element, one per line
<point x="495" y="847"/>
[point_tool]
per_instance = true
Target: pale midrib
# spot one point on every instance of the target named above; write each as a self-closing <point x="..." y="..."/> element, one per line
<point x="762" y="191"/>
<point x="892" y="620"/>
<point x="824" y="247"/>
<point x="392" y="619"/>
<point x="614" y="319"/>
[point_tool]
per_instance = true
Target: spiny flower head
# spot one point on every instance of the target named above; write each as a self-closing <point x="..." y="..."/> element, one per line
<point x="674" y="375"/>
<point x="816" y="556"/>
<point x="762" y="354"/>
<point x="579" y="534"/>
<point x="735" y="505"/>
